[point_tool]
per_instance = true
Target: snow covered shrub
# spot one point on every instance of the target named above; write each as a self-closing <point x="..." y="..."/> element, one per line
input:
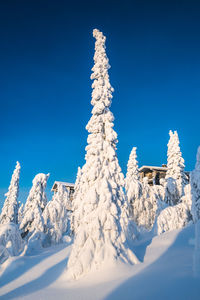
<point x="176" y="178"/>
<point x="178" y="216"/>
<point x="173" y="217"/>
<point x="32" y="215"/>
<point x="10" y="209"/>
<point x="100" y="222"/>
<point x="34" y="244"/>
<point x="11" y="243"/>
<point x="56" y="216"/>
<point x="145" y="212"/>
<point x="159" y="194"/>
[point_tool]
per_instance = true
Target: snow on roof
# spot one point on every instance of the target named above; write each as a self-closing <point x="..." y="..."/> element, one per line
<point x="152" y="168"/>
<point x="67" y="184"/>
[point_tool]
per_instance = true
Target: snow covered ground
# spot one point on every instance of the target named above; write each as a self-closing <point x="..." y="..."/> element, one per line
<point x="166" y="272"/>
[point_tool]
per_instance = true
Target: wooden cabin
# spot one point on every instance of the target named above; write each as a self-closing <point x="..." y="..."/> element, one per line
<point x="69" y="186"/>
<point x="154" y="174"/>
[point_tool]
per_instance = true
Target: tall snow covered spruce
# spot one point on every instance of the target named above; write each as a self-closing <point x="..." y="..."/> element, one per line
<point x="32" y="214"/>
<point x="175" y="177"/>
<point x="101" y="234"/>
<point x="10" y="209"/>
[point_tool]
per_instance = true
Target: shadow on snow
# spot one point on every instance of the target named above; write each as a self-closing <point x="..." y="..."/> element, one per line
<point x="169" y="277"/>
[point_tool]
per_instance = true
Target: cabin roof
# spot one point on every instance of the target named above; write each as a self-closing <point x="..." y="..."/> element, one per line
<point x="151" y="168"/>
<point x="67" y="184"/>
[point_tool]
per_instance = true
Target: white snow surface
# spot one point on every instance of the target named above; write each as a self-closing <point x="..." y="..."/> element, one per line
<point x="166" y="272"/>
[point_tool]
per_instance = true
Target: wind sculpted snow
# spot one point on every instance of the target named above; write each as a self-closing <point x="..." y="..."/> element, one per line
<point x="166" y="273"/>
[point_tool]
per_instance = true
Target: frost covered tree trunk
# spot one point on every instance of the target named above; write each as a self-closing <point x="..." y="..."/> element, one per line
<point x="195" y="191"/>
<point x="175" y="177"/>
<point x="10" y="209"/>
<point x="56" y="216"/>
<point x="32" y="214"/>
<point x="100" y="236"/>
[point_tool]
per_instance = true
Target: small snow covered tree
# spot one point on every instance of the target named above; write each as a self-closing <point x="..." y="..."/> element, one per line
<point x="56" y="216"/>
<point x="133" y="185"/>
<point x="32" y="215"/>
<point x="146" y="209"/>
<point x="177" y="216"/>
<point x="11" y="243"/>
<point x="10" y="209"/>
<point x="20" y="212"/>
<point x="173" y="217"/>
<point x="100" y="236"/>
<point x="175" y="177"/>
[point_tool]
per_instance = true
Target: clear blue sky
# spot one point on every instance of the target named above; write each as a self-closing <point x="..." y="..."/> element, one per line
<point x="46" y="56"/>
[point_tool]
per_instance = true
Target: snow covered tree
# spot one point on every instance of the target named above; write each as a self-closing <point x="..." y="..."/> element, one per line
<point x="133" y="185"/>
<point x="195" y="191"/>
<point x="100" y="237"/>
<point x="177" y="216"/>
<point x="75" y="204"/>
<point x="173" y="217"/>
<point x="146" y="208"/>
<point x="56" y="216"/>
<point x="20" y="212"/>
<point x="175" y="177"/>
<point x="10" y="209"/>
<point x="11" y="243"/>
<point x="32" y="215"/>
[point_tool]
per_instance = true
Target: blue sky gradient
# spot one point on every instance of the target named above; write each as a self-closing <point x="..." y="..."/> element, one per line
<point x="46" y="56"/>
